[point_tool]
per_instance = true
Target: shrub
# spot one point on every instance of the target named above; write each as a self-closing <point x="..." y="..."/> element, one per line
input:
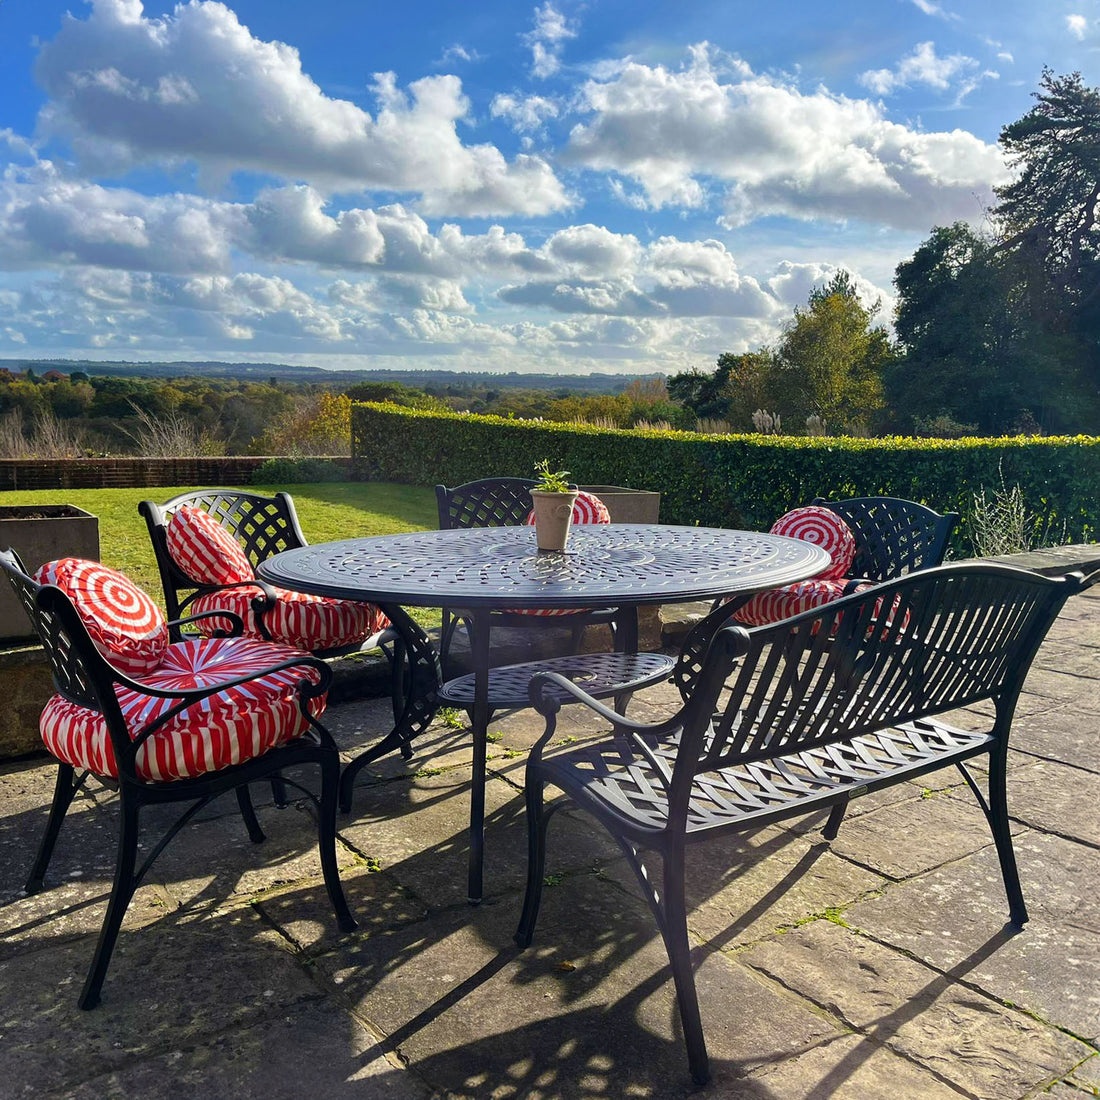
<point x="741" y="481"/>
<point x="297" y="471"/>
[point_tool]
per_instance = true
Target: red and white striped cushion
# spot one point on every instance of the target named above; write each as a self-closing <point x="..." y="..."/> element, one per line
<point x="205" y="550"/>
<point x="125" y="625"/>
<point x="224" y="729"/>
<point x="587" y="508"/>
<point x="791" y="599"/>
<point x="824" y="528"/>
<point x="297" y="619"/>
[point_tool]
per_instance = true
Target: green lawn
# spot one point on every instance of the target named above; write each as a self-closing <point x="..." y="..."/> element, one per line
<point x="338" y="510"/>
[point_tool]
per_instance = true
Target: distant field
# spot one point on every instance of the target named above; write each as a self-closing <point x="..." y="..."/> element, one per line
<point x="327" y="512"/>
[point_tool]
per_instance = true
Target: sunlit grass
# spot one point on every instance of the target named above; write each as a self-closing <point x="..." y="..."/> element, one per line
<point x="327" y="512"/>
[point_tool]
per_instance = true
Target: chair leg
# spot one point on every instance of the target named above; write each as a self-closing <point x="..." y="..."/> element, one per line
<point x="836" y="816"/>
<point x="121" y="893"/>
<point x="278" y="791"/>
<point x="674" y="931"/>
<point x="64" y="790"/>
<point x="537" y="824"/>
<point x="326" y="841"/>
<point x="998" y="820"/>
<point x="251" y="823"/>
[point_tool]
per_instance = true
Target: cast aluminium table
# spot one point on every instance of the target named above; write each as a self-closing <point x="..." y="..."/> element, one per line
<point x="498" y="568"/>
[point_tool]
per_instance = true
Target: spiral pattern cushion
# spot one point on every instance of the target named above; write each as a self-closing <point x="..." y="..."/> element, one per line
<point x="587" y="508"/>
<point x="824" y="528"/>
<point x="205" y="550"/>
<point x="125" y="625"/>
<point x="225" y="728"/>
<point x="297" y="619"/>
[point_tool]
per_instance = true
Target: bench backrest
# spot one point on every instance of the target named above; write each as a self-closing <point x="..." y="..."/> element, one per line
<point x="920" y="646"/>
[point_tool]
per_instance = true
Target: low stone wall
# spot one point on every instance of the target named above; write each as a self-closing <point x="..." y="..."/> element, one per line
<point x="134" y="473"/>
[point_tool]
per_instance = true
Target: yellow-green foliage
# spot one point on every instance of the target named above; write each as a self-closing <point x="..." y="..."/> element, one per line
<point x="736" y="480"/>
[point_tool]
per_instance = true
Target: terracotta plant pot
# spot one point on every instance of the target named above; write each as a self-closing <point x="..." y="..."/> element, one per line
<point x="553" y="517"/>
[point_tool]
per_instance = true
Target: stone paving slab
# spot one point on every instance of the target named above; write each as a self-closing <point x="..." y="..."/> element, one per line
<point x="964" y="1037"/>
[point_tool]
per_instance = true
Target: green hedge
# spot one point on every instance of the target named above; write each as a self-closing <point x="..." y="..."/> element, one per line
<point x="741" y="481"/>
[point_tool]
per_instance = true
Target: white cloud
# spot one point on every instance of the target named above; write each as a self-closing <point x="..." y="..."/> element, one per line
<point x="1078" y="26"/>
<point x="526" y="114"/>
<point x="775" y="150"/>
<point x="922" y="66"/>
<point x="931" y="7"/>
<point x="547" y="39"/>
<point x="196" y="86"/>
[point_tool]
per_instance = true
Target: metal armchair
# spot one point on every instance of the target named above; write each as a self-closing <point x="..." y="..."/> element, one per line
<point x="251" y="710"/>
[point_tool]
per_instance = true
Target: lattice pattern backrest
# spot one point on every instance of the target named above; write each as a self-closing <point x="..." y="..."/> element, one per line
<point x="490" y="502"/>
<point x="893" y="536"/>
<point x="920" y="646"/>
<point x="264" y="526"/>
<point x="63" y="636"/>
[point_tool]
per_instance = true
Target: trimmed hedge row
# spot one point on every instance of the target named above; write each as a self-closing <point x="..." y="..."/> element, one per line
<point x="741" y="481"/>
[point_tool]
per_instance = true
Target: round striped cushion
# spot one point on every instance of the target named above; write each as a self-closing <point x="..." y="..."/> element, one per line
<point x="791" y="599"/>
<point x="125" y="625"/>
<point x="297" y="619"/>
<point x="587" y="508"/>
<point x="205" y="550"/>
<point x="824" y="528"/>
<point x="223" y="729"/>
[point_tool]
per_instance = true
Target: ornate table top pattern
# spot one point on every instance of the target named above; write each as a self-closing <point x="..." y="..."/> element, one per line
<point x="618" y="564"/>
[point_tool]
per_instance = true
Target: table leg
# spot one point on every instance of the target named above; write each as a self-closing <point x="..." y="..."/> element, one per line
<point x="479" y="729"/>
<point x="418" y="663"/>
<point x="626" y="641"/>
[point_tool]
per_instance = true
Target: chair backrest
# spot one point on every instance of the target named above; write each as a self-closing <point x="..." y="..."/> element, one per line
<point x="80" y="672"/>
<point x="489" y="502"/>
<point x="263" y="526"/>
<point x="916" y="647"/>
<point x="893" y="536"/>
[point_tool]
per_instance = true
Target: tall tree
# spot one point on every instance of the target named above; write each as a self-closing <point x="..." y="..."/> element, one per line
<point x="830" y="361"/>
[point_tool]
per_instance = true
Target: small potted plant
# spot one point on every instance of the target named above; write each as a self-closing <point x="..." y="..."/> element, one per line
<point x="553" y="501"/>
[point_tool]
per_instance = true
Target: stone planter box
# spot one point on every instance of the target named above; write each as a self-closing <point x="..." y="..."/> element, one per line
<point x="627" y="505"/>
<point x="40" y="533"/>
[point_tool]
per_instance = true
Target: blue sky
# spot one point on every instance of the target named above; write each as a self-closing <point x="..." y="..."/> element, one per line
<point x="565" y="186"/>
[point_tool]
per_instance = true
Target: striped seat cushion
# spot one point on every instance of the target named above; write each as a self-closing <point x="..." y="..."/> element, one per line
<point x="204" y="550"/>
<point x="587" y="508"/>
<point x="297" y="619"/>
<point x="224" y="729"/>
<point x="824" y="528"/>
<point x="125" y="625"/>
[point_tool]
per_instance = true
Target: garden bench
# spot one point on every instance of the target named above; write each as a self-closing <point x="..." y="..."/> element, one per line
<point x="802" y="716"/>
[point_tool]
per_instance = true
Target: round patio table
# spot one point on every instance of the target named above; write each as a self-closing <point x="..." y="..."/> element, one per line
<point x="498" y="568"/>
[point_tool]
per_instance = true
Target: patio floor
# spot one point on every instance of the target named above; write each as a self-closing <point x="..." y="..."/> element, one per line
<point x="877" y="966"/>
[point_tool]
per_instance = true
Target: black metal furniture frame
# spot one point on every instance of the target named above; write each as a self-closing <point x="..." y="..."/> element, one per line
<point x="893" y="536"/>
<point x="625" y="565"/>
<point x="506" y="502"/>
<point x="801" y="716"/>
<point x="84" y="677"/>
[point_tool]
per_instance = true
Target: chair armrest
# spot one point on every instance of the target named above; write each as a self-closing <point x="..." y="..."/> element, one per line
<point x="187" y="698"/>
<point x="235" y="620"/>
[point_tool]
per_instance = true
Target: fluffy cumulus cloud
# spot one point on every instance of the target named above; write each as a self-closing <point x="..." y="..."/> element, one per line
<point x="196" y="86"/>
<point x="922" y="66"/>
<point x="1078" y="26"/>
<point x="768" y="148"/>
